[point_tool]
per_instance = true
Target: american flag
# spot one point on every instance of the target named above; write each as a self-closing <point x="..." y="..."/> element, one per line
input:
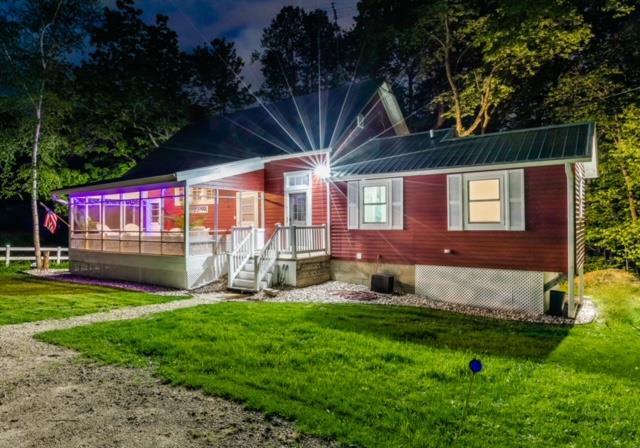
<point x="51" y="221"/>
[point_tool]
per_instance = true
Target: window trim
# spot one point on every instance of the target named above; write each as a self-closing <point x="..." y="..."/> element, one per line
<point x="502" y="176"/>
<point x="298" y="189"/>
<point x="374" y="183"/>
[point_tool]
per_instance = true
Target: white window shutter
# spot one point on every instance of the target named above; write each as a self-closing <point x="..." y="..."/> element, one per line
<point x="454" y="197"/>
<point x="353" y="188"/>
<point x="397" y="203"/>
<point x="516" y="200"/>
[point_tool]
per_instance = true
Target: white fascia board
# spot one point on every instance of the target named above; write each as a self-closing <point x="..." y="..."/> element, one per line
<point x="215" y="172"/>
<point x="591" y="167"/>
<point x="392" y="108"/>
<point x="208" y="174"/>
<point x="296" y="155"/>
<point x="466" y="169"/>
<point x="130" y="183"/>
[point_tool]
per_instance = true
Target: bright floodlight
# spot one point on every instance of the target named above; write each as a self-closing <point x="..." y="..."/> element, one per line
<point x="323" y="171"/>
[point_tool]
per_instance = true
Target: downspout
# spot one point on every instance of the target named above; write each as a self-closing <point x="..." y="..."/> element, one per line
<point x="571" y="240"/>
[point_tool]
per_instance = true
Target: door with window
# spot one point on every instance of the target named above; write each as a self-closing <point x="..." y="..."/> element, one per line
<point x="298" y="198"/>
<point x="152" y="217"/>
<point x="298" y="209"/>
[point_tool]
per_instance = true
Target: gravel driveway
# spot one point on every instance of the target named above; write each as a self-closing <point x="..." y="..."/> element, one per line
<point x="50" y="398"/>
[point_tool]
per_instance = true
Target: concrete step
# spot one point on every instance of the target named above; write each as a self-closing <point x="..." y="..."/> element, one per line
<point x="243" y="284"/>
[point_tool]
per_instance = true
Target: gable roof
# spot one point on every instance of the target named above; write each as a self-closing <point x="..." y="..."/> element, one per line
<point x="442" y="151"/>
<point x="304" y="123"/>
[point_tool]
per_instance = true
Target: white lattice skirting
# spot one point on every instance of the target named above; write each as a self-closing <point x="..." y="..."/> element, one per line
<point x="489" y="288"/>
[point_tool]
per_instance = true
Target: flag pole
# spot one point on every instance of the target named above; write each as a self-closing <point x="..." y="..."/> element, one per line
<point x="59" y="217"/>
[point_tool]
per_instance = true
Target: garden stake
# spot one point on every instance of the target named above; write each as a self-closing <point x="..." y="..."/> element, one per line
<point x="475" y="365"/>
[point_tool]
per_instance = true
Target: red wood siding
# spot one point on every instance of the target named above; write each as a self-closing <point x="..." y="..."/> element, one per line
<point x="541" y="247"/>
<point x="226" y="210"/>
<point x="274" y="190"/>
<point x="252" y="181"/>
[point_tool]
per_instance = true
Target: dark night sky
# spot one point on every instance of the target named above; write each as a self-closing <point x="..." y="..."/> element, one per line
<point x="240" y="20"/>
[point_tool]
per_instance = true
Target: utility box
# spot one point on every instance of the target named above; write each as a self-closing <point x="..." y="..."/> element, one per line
<point x="556" y="303"/>
<point x="382" y="283"/>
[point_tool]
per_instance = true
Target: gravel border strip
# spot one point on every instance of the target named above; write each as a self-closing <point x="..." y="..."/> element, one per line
<point x="330" y="292"/>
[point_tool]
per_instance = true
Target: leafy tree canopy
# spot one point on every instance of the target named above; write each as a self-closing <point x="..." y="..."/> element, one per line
<point x="300" y="53"/>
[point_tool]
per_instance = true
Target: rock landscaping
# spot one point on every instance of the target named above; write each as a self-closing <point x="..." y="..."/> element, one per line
<point x="341" y="292"/>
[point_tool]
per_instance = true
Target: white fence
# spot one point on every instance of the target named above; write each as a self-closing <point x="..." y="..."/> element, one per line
<point x="56" y="254"/>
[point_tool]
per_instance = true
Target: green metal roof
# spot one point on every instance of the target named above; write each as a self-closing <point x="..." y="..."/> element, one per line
<point x="291" y="126"/>
<point x="442" y="150"/>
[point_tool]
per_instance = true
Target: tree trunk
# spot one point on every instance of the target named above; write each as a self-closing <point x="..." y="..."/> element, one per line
<point x="481" y="120"/>
<point x="633" y="212"/>
<point x="34" y="180"/>
<point x="441" y="119"/>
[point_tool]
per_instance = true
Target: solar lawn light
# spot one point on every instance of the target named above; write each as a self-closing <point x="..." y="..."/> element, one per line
<point x="476" y="366"/>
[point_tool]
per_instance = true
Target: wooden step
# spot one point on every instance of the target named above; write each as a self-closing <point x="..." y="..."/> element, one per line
<point x="246" y="285"/>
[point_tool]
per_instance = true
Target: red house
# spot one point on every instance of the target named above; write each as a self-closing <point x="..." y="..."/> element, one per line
<point x="333" y="185"/>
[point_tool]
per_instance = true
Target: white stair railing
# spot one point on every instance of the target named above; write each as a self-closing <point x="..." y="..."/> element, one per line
<point x="289" y="241"/>
<point x="242" y="252"/>
<point x="267" y="257"/>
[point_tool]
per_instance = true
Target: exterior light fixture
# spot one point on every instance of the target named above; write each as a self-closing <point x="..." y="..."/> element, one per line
<point x="322" y="171"/>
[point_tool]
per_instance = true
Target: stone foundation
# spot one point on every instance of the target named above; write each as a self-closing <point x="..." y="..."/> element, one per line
<point x="360" y="272"/>
<point x="306" y="271"/>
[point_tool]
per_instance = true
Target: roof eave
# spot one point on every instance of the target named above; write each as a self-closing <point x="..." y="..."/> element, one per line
<point x="461" y="169"/>
<point x="117" y="184"/>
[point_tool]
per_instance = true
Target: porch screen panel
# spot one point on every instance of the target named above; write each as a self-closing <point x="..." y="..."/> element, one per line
<point x="172" y="222"/>
<point x="130" y="235"/>
<point x="150" y="238"/>
<point x="130" y="222"/>
<point x="94" y="219"/>
<point x="112" y="224"/>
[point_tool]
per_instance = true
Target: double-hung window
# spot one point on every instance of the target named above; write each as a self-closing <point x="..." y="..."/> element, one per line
<point x="376" y="204"/>
<point x="492" y="200"/>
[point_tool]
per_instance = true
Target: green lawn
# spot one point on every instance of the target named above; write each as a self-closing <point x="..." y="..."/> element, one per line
<point x="24" y="298"/>
<point x="397" y="377"/>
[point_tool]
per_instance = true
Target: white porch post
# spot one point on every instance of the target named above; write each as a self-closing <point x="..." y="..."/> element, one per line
<point x="327" y="184"/>
<point x="187" y="225"/>
<point x="294" y="242"/>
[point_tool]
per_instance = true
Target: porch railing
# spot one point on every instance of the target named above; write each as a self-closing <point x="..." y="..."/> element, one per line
<point x="241" y="253"/>
<point x="303" y="240"/>
<point x="286" y="242"/>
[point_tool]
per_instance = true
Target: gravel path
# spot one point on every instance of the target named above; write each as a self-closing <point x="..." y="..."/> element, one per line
<point x="50" y="398"/>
